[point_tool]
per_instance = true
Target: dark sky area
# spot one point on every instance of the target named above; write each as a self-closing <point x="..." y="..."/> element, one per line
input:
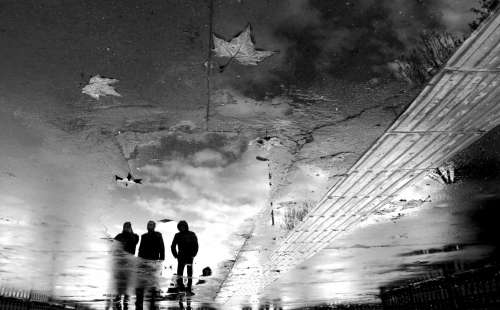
<point x="344" y="40"/>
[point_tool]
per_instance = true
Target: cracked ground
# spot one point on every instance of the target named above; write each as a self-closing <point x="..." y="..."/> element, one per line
<point x="195" y="136"/>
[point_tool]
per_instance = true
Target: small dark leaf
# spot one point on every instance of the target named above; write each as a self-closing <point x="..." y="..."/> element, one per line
<point x="262" y="158"/>
<point x="165" y="220"/>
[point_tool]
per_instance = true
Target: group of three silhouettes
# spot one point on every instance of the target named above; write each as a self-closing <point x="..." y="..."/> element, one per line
<point x="184" y="248"/>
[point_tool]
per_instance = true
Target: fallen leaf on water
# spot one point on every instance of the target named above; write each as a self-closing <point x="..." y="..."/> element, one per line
<point x="100" y="86"/>
<point x="241" y="48"/>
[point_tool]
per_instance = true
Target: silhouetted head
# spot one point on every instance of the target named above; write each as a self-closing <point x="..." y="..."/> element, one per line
<point x="151" y="226"/>
<point x="127" y="227"/>
<point x="207" y="272"/>
<point x="182" y="226"/>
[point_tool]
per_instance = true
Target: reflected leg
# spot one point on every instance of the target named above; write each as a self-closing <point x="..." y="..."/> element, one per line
<point x="117" y="302"/>
<point x="109" y="303"/>
<point x="152" y="300"/>
<point x="139" y="298"/>
<point x="180" y="272"/>
<point x="190" y="276"/>
<point x="125" y="302"/>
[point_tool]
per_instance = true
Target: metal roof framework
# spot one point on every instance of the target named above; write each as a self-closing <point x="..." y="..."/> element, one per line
<point x="458" y="106"/>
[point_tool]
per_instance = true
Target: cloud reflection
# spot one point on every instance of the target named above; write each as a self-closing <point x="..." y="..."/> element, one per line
<point x="214" y="194"/>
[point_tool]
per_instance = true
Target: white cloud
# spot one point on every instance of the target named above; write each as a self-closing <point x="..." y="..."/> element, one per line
<point x="209" y="157"/>
<point x="215" y="200"/>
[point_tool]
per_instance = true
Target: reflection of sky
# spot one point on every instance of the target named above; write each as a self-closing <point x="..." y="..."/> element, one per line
<point x="55" y="207"/>
<point x="214" y="198"/>
<point x="58" y="199"/>
<point x="59" y="204"/>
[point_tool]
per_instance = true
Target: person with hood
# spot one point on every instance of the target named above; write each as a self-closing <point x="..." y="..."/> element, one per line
<point x="184" y="248"/>
<point x="123" y="263"/>
<point x="127" y="238"/>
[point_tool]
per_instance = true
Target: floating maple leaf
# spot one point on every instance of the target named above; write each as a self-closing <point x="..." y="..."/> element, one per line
<point x="241" y="48"/>
<point x="99" y="86"/>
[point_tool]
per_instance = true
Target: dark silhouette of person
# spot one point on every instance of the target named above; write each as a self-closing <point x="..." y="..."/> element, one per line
<point x="152" y="246"/>
<point x="151" y="250"/>
<point x="184" y="248"/>
<point x="206" y="272"/>
<point x="123" y="264"/>
<point x="127" y="238"/>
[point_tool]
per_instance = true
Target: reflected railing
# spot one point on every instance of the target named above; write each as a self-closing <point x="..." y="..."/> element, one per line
<point x="19" y="299"/>
<point x="465" y="289"/>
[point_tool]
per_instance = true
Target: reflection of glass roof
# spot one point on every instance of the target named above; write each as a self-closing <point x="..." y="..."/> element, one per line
<point x="457" y="107"/>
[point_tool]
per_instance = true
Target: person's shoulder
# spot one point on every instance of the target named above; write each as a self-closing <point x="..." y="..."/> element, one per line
<point x="192" y="233"/>
<point x="157" y="233"/>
